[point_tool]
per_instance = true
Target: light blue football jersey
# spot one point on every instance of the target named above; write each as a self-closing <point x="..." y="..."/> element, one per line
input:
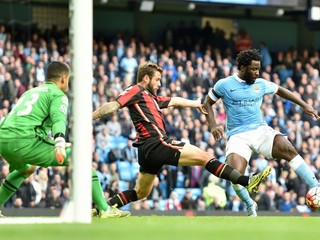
<point x="242" y="102"/>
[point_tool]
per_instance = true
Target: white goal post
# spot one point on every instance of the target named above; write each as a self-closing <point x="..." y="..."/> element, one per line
<point x="78" y="210"/>
<point x="81" y="34"/>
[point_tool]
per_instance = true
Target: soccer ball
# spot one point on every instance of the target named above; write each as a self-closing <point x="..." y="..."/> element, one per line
<point x="313" y="198"/>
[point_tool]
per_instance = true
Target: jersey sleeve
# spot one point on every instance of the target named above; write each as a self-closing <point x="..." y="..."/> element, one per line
<point x="163" y="101"/>
<point x="215" y="93"/>
<point x="270" y="87"/>
<point x="58" y="114"/>
<point x="129" y="96"/>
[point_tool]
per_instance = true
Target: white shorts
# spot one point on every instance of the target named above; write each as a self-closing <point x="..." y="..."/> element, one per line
<point x="259" y="140"/>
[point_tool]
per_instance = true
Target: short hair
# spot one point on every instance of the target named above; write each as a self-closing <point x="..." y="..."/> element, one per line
<point x="56" y="70"/>
<point x="147" y="68"/>
<point x="245" y="57"/>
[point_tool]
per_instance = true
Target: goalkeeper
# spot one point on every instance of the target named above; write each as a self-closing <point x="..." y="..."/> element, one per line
<point x="25" y="142"/>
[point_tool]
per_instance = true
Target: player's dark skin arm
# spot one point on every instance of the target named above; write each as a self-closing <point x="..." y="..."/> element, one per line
<point x="106" y="109"/>
<point x="286" y="94"/>
<point x="216" y="132"/>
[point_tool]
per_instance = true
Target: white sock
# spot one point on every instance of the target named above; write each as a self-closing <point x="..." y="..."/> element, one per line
<point x="302" y="169"/>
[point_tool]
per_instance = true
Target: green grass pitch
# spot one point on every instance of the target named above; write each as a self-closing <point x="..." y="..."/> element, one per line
<point x="173" y="227"/>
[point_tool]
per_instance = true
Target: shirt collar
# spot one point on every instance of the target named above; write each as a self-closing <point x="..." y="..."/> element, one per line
<point x="238" y="79"/>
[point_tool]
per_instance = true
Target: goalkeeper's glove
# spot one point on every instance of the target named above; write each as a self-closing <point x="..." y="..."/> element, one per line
<point x="60" y="149"/>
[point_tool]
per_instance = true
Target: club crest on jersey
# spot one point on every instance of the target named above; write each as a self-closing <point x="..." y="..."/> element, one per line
<point x="256" y="88"/>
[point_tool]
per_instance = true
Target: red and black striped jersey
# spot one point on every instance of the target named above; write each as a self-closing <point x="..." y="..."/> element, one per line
<point x="145" y="111"/>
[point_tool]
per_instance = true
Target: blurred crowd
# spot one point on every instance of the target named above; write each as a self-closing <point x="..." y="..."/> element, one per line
<point x="193" y="59"/>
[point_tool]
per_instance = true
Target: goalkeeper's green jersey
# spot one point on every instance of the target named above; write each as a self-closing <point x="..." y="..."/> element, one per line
<point x="39" y="112"/>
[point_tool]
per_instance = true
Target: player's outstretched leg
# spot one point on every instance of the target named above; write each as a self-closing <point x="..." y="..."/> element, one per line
<point x="252" y="210"/>
<point x="256" y="179"/>
<point x="245" y="197"/>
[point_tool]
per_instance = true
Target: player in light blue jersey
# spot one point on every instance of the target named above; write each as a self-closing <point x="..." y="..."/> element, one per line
<point x="246" y="131"/>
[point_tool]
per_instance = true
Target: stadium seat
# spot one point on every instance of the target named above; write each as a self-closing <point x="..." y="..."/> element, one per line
<point x="162" y="205"/>
<point x="112" y="142"/>
<point x="181" y="192"/>
<point x="135" y="168"/>
<point x="180" y="179"/>
<point x="123" y="185"/>
<point x="124" y="169"/>
<point x="121" y="142"/>
<point x="102" y="154"/>
<point x="196" y="192"/>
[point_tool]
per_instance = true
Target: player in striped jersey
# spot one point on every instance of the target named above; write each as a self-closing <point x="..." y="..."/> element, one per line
<point x="155" y="148"/>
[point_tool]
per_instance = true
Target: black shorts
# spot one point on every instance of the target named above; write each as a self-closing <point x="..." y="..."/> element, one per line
<point x="154" y="153"/>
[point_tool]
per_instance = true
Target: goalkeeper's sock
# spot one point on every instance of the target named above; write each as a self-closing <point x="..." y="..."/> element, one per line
<point x="97" y="193"/>
<point x="224" y="171"/>
<point x="243" y="194"/>
<point x="10" y="186"/>
<point x="301" y="168"/>
<point x="123" y="198"/>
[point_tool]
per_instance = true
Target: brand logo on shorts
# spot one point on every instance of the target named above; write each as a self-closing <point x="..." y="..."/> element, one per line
<point x="175" y="142"/>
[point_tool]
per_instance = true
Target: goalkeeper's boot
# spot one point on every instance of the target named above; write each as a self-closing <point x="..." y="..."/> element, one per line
<point x="94" y="212"/>
<point x="252" y="210"/>
<point x="114" y="212"/>
<point x="258" y="178"/>
<point x="104" y="214"/>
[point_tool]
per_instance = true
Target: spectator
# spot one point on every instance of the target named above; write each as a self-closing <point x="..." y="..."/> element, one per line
<point x="129" y="64"/>
<point x="130" y="153"/>
<point x="243" y="40"/>
<point x="262" y="199"/>
<point x="173" y="203"/>
<point x="125" y="123"/>
<point x="65" y="197"/>
<point x="53" y="199"/>
<point x="114" y="126"/>
<point x="104" y="175"/>
<point x="187" y="202"/>
<point x="3" y="33"/>
<point x="27" y="194"/>
<point x="286" y="204"/>
<point x="266" y="59"/>
<point x="114" y="155"/>
<point x="103" y="138"/>
<point x="215" y="196"/>
<point x="301" y="206"/>
<point x="8" y="91"/>
<point x="19" y="88"/>
<point x="156" y="193"/>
